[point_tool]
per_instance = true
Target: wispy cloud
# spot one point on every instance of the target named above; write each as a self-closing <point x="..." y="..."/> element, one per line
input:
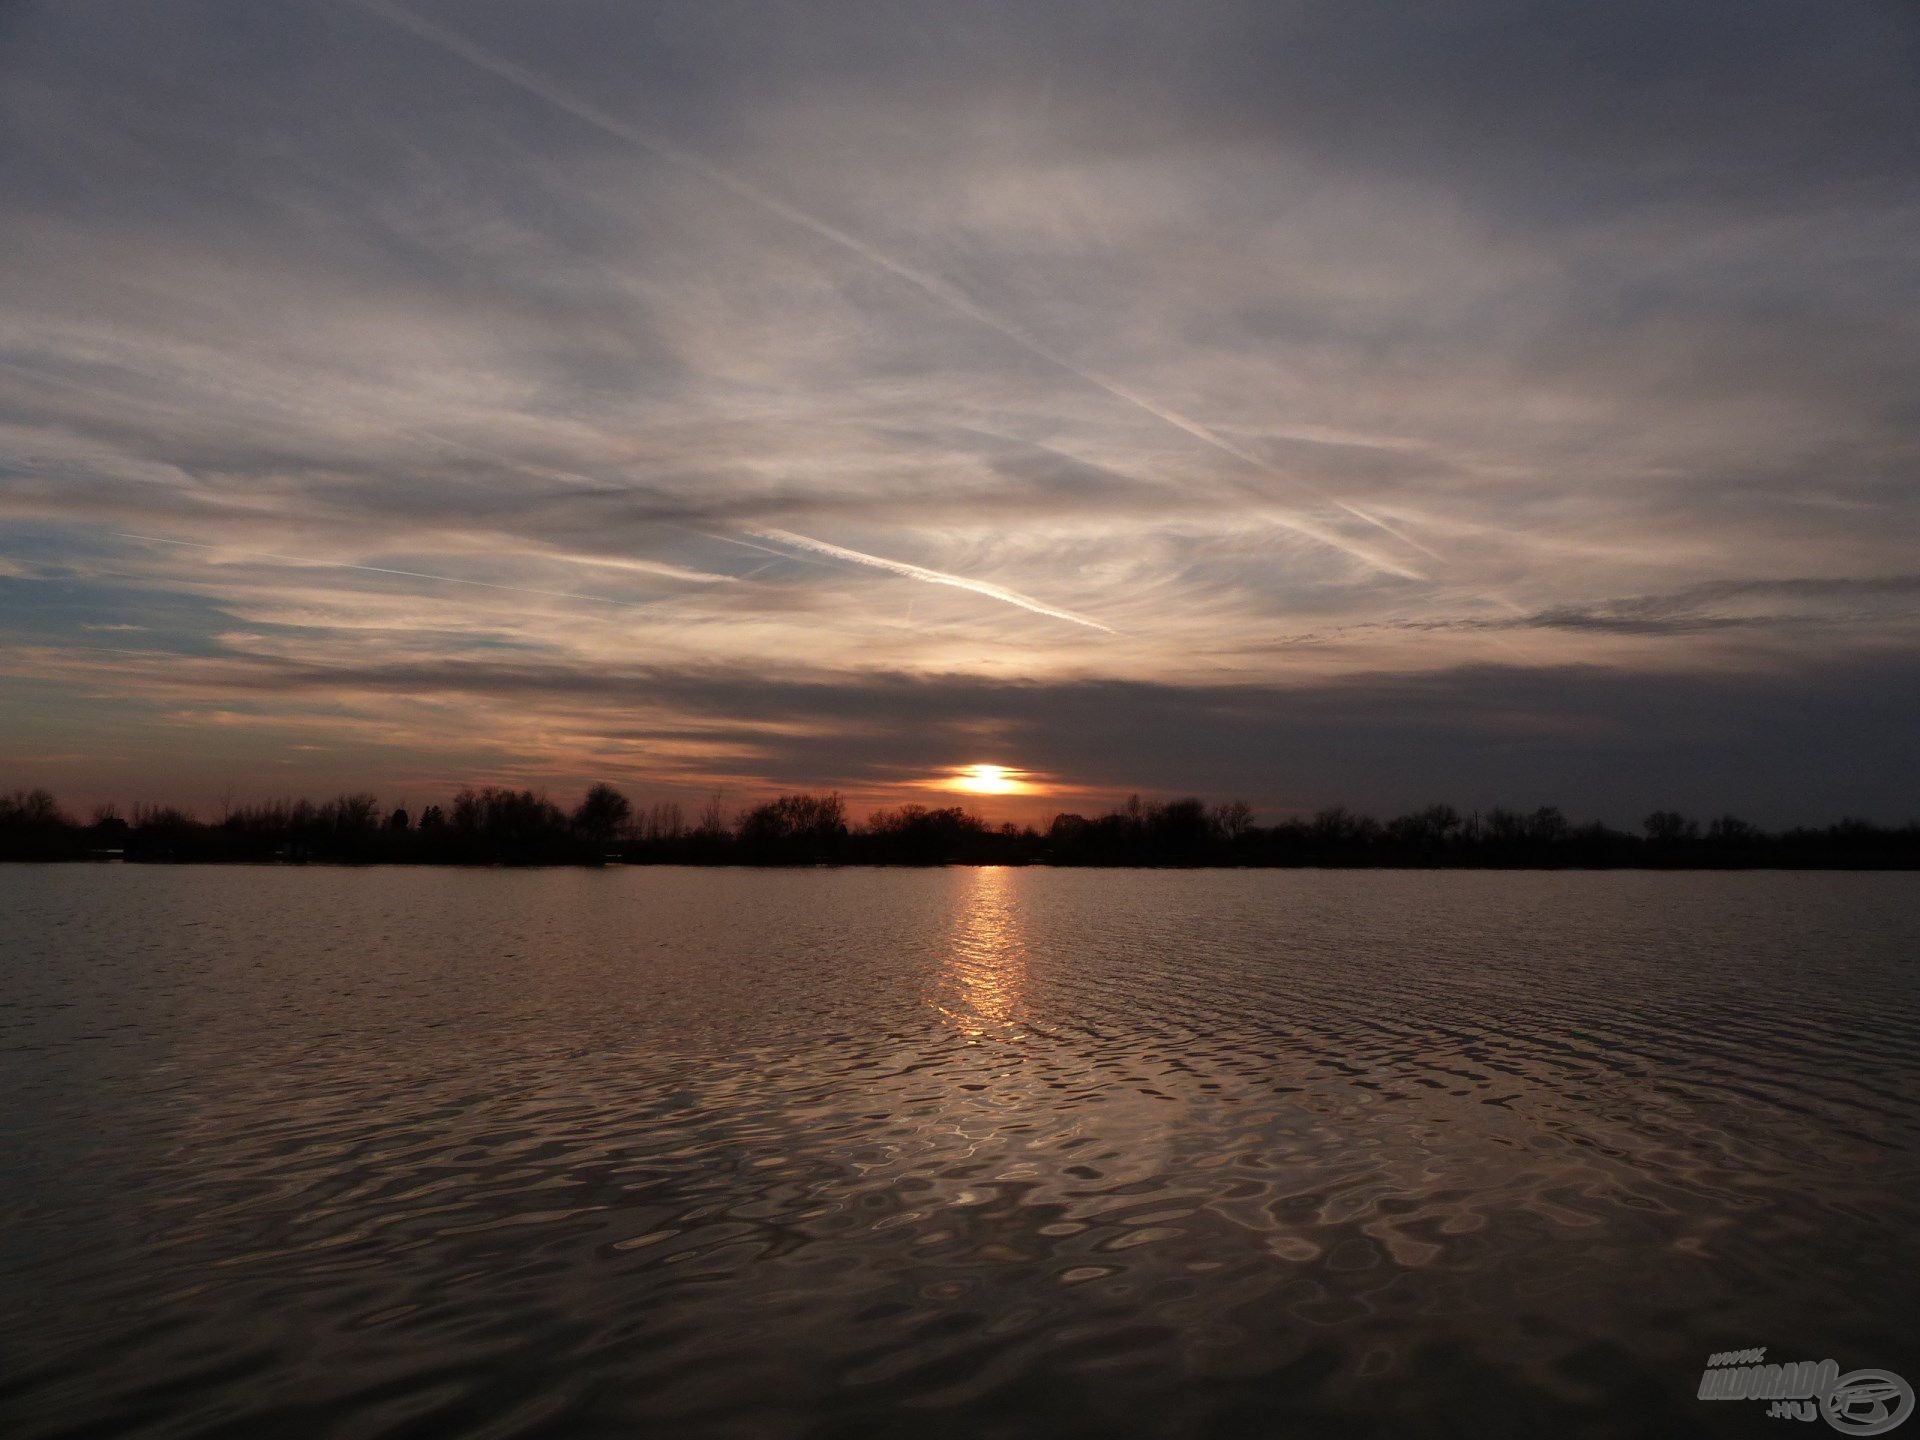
<point x="935" y="287"/>
<point x="310" y="562"/>
<point x="1292" y="353"/>
<point x="931" y="577"/>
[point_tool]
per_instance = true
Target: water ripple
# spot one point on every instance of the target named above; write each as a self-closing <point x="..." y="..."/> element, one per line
<point x="974" y="1152"/>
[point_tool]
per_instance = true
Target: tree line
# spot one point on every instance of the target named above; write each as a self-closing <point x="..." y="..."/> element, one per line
<point x="499" y="826"/>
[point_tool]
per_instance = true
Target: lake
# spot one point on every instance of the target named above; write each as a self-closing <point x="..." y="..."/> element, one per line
<point x="982" y="1153"/>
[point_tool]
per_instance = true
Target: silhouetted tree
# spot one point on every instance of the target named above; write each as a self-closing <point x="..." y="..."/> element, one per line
<point x="1425" y="836"/>
<point x="1547" y="826"/>
<point x="1179" y="831"/>
<point x="1432" y="826"/>
<point x="794" y="827"/>
<point x="915" y="835"/>
<point x="108" y="831"/>
<point x="1232" y="821"/>
<point x="1733" y="832"/>
<point x="496" y="825"/>
<point x="603" y="815"/>
<point x="1667" y="827"/>
<point x="663" y="821"/>
<point x="32" y="826"/>
<point x="512" y="826"/>
<point x="1068" y="829"/>
<point x="1503" y="827"/>
<point x="351" y="814"/>
<point x="713" y="817"/>
<point x="31" y="810"/>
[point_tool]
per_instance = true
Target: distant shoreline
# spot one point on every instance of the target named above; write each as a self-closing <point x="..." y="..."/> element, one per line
<point x="1644" y="867"/>
<point x="520" y="828"/>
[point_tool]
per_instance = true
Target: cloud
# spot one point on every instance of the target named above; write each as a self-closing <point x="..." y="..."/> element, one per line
<point x="931" y="577"/>
<point x="1295" y="348"/>
<point x="1778" y="745"/>
<point x="935" y="287"/>
<point x="297" y="560"/>
<point x="1829" y="600"/>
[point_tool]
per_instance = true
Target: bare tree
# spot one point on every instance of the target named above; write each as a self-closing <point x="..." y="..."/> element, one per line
<point x="603" y="815"/>
<point x="1232" y="820"/>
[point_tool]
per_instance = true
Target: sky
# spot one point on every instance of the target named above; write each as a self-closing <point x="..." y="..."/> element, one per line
<point x="1315" y="403"/>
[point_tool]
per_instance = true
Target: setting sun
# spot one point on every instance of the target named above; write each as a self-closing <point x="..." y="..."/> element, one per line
<point x="989" y="780"/>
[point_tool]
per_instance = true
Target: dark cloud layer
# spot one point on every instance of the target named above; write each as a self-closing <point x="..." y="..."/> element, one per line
<point x="1831" y="737"/>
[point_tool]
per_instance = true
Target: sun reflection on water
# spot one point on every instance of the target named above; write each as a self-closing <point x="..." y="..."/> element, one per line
<point x="987" y="962"/>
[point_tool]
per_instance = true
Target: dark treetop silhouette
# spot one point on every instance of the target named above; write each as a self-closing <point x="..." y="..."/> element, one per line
<point x="494" y="826"/>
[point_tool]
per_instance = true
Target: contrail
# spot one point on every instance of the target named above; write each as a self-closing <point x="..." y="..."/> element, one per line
<point x="749" y="545"/>
<point x="380" y="570"/>
<point x="925" y="281"/>
<point x="1327" y="537"/>
<point x="637" y="567"/>
<point x="931" y="577"/>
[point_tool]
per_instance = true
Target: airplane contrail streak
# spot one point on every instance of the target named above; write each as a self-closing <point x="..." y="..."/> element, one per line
<point x="634" y="567"/>
<point x="1372" y="557"/>
<point x="926" y="282"/>
<point x="379" y="570"/>
<point x="931" y="577"/>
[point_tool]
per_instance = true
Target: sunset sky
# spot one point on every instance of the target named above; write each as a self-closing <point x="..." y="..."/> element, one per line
<point x="1494" y="403"/>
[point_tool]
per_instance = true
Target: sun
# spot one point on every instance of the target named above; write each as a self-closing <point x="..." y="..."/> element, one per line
<point x="989" y="780"/>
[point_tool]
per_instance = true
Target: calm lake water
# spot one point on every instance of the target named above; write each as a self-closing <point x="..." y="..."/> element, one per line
<point x="975" y="1153"/>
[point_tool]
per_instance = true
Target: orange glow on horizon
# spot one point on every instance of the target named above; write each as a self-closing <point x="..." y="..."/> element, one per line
<point x="989" y="780"/>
